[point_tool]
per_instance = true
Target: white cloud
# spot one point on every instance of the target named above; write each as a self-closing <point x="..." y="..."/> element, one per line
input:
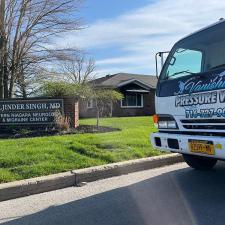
<point x="141" y="33"/>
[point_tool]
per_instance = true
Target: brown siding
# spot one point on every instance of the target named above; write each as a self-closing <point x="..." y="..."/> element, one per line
<point x="86" y="112"/>
<point x="148" y="108"/>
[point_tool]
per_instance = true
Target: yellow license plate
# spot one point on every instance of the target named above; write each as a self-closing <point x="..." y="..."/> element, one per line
<point x="203" y="147"/>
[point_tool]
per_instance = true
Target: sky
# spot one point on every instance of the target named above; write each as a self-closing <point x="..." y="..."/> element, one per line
<point x="124" y="35"/>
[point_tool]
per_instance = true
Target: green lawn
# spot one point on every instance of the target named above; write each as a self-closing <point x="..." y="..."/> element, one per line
<point x="32" y="157"/>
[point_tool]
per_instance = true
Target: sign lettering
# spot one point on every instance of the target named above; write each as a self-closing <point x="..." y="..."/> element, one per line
<point x="41" y="111"/>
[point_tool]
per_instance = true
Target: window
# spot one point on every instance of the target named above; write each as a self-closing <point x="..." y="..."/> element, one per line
<point x="133" y="100"/>
<point x="201" y="52"/>
<point x="184" y="62"/>
<point x="90" y="104"/>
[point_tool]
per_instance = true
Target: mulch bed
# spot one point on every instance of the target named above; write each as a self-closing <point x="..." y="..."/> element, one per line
<point x="26" y="133"/>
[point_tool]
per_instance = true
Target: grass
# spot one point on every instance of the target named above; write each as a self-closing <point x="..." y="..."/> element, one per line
<point x="32" y="157"/>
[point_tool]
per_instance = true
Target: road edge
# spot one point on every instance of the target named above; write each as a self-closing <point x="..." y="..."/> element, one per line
<point x="38" y="185"/>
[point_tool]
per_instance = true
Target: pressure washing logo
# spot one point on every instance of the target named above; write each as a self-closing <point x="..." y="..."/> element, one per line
<point x="192" y="86"/>
<point x="189" y="98"/>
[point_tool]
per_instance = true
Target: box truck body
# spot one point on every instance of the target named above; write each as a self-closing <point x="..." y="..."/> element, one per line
<point x="190" y="98"/>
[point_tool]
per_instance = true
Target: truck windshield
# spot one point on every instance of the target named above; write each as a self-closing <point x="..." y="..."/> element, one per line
<point x="201" y="52"/>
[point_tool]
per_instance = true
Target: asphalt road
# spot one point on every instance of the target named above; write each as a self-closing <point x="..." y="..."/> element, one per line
<point x="173" y="195"/>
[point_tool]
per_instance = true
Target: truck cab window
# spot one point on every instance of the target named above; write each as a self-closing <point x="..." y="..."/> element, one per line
<point x="184" y="62"/>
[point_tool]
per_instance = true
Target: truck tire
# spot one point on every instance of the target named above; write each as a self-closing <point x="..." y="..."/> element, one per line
<point x="199" y="162"/>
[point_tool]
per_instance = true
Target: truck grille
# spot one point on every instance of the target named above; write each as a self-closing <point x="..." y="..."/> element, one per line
<point x="204" y="124"/>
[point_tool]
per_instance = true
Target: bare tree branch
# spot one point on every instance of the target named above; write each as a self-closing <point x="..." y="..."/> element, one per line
<point x="78" y="69"/>
<point x="29" y="26"/>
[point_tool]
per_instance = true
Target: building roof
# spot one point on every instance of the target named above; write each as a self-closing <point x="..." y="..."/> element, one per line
<point x="116" y="80"/>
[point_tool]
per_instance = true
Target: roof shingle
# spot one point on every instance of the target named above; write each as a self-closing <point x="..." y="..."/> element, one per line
<point x="112" y="81"/>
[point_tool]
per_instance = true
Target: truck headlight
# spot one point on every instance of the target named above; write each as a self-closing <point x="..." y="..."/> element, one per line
<point x="164" y="122"/>
<point x="171" y="124"/>
<point x="162" y="125"/>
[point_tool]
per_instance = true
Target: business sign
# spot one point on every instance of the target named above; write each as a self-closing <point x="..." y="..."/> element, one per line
<point x="25" y="112"/>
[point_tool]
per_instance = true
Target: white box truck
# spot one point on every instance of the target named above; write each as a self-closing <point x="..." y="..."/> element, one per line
<point x="190" y="99"/>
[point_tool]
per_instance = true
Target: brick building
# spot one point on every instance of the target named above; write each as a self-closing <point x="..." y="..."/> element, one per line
<point x="138" y="91"/>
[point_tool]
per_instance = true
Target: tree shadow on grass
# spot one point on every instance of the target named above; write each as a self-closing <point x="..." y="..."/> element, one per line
<point x="106" y="157"/>
<point x="182" y="197"/>
<point x="29" y="133"/>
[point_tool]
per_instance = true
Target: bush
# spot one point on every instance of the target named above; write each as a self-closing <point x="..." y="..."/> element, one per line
<point x="62" y="122"/>
<point x="64" y="89"/>
<point x="58" y="89"/>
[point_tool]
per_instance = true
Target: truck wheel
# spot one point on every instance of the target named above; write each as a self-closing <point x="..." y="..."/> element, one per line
<point x="199" y="162"/>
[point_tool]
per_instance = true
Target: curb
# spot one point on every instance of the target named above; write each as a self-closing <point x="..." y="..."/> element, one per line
<point x="38" y="185"/>
<point x="116" y="169"/>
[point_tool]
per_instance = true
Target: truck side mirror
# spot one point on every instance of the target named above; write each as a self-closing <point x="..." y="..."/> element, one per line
<point x="162" y="56"/>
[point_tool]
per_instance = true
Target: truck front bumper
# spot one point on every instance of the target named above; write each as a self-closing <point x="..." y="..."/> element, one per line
<point x="179" y="143"/>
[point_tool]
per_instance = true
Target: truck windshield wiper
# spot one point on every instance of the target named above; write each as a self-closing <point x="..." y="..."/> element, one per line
<point x="218" y="66"/>
<point x="181" y="72"/>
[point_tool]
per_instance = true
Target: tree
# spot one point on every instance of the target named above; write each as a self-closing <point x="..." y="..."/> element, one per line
<point x="2" y="21"/>
<point x="59" y="89"/>
<point x="28" y="29"/>
<point x="104" y="98"/>
<point x="77" y="68"/>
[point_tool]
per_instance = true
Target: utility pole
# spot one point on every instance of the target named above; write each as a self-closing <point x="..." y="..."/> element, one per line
<point x="2" y="39"/>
